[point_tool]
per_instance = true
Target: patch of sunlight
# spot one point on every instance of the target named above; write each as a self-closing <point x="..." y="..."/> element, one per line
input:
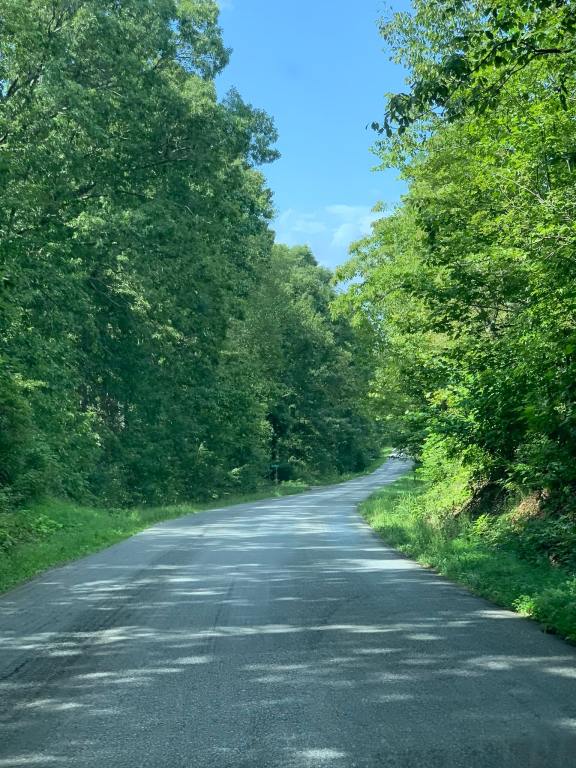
<point x="423" y="637"/>
<point x="381" y="565"/>
<point x="562" y="672"/>
<point x="185" y="660"/>
<point x="492" y="664"/>
<point x="52" y="705"/>
<point x="497" y="614"/>
<point x="322" y="754"/>
<point x="31" y="759"/>
<point x="393" y="697"/>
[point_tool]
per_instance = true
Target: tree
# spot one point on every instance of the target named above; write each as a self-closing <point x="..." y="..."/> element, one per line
<point x="136" y="254"/>
<point x="470" y="283"/>
<point x="131" y="220"/>
<point x="461" y="54"/>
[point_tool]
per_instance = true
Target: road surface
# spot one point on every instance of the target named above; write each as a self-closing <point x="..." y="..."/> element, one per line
<point x="277" y="634"/>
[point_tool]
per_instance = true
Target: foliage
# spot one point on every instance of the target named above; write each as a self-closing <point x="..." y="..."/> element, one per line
<point x="535" y="539"/>
<point x="469" y="284"/>
<point x="462" y="53"/>
<point x="469" y="289"/>
<point x="319" y="369"/>
<point x="488" y="556"/>
<point x="135" y="257"/>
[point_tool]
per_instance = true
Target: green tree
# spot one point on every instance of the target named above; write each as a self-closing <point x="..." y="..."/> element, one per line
<point x="470" y="283"/>
<point x="131" y="220"/>
<point x="136" y="257"/>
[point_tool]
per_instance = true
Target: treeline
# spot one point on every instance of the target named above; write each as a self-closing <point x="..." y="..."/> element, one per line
<point x="470" y="285"/>
<point x="155" y="346"/>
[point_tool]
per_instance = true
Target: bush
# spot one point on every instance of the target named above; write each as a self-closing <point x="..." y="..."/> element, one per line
<point x="517" y="560"/>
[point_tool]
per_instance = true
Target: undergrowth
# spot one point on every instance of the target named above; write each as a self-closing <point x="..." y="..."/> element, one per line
<point x="523" y="562"/>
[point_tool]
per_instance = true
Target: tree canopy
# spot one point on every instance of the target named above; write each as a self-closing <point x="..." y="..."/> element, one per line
<point x="138" y="361"/>
<point x="469" y="284"/>
<point x="461" y="54"/>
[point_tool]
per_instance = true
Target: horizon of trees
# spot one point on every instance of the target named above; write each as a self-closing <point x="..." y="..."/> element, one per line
<point x="155" y="346"/>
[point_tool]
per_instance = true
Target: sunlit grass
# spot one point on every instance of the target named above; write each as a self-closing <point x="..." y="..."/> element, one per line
<point x="540" y="590"/>
<point x="54" y="532"/>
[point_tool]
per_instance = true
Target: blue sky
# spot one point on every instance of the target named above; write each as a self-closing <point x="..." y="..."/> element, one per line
<point x="319" y="68"/>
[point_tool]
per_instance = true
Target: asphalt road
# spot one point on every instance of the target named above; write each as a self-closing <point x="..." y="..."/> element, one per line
<point x="280" y="633"/>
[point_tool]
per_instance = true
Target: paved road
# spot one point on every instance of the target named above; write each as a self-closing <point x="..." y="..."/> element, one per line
<point x="277" y="634"/>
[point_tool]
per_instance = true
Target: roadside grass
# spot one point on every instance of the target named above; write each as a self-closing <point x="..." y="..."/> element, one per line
<point x="457" y="548"/>
<point x="53" y="532"/>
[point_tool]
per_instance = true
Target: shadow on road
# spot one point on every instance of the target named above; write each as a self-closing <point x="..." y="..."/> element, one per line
<point x="280" y="633"/>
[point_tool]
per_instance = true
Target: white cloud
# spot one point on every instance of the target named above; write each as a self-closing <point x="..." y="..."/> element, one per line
<point x="292" y="224"/>
<point x="328" y="230"/>
<point x="344" y="235"/>
<point x="347" y="211"/>
<point x="355" y="222"/>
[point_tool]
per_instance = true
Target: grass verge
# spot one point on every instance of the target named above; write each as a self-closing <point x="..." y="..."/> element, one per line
<point x="54" y="532"/>
<point x="403" y="514"/>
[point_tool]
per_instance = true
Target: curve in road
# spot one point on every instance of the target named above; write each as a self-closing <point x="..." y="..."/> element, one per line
<point x="275" y="634"/>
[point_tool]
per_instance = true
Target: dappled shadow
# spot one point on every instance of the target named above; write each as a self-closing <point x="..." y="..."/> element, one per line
<point x="279" y="633"/>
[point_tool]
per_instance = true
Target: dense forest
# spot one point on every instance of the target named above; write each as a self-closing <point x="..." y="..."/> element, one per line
<point x="469" y="285"/>
<point x="155" y="345"/>
<point x="253" y="511"/>
<point x="158" y="347"/>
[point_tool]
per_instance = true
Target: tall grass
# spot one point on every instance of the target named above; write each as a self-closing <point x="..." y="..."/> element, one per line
<point x="420" y="519"/>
